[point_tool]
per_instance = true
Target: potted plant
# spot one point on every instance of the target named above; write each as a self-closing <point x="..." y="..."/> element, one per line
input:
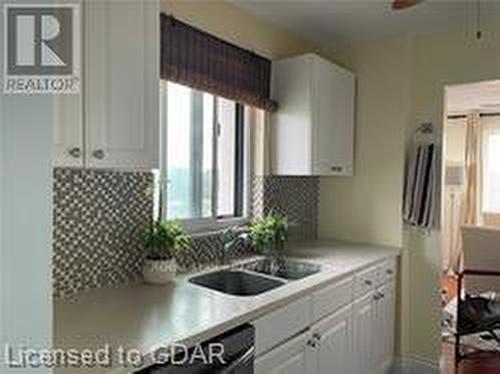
<point x="161" y="241"/>
<point x="270" y="233"/>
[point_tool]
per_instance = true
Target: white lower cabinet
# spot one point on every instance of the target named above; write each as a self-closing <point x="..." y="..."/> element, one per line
<point x="290" y="357"/>
<point x="355" y="337"/>
<point x="374" y="322"/>
<point x="385" y="325"/>
<point x="365" y="339"/>
<point x="333" y="350"/>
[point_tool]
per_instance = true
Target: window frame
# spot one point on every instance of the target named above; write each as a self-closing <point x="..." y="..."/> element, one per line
<point x="214" y="223"/>
<point x="488" y="131"/>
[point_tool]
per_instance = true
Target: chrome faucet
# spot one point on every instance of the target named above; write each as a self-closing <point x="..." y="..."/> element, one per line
<point x="231" y="238"/>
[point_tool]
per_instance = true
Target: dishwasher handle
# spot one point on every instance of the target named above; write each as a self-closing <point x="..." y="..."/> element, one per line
<point x="240" y="360"/>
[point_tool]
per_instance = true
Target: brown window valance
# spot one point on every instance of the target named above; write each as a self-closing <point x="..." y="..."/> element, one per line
<point x="204" y="62"/>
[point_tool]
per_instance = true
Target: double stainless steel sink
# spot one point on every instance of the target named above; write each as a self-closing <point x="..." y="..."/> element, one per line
<point x="256" y="277"/>
<point x="283" y="268"/>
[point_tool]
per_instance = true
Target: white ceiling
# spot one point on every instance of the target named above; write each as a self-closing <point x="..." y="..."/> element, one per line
<point x="334" y="23"/>
<point x="483" y="96"/>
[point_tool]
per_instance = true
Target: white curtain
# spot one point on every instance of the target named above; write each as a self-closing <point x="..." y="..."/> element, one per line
<point x="451" y="229"/>
<point x="471" y="212"/>
<point x="466" y="208"/>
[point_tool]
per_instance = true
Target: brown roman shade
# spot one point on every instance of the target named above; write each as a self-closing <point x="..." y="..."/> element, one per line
<point x="204" y="62"/>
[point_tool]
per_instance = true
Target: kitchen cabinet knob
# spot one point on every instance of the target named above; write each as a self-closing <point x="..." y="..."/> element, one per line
<point x="336" y="168"/>
<point x="75" y="152"/>
<point x="312" y="343"/>
<point x="98" y="154"/>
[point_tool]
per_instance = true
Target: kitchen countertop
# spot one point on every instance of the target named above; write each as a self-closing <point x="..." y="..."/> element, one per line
<point x="144" y="318"/>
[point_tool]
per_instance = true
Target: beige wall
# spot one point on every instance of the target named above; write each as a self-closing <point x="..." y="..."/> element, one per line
<point x="440" y="61"/>
<point x="454" y="145"/>
<point x="401" y="84"/>
<point x="234" y="25"/>
<point x="367" y="206"/>
<point x="228" y="22"/>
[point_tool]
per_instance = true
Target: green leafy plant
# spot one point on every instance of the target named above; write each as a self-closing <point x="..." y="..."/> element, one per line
<point x="163" y="239"/>
<point x="269" y="232"/>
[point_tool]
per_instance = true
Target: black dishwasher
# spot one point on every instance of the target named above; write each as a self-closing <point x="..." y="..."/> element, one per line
<point x="237" y="353"/>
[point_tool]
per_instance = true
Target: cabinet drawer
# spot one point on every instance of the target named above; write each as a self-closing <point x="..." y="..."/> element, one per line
<point x="366" y="281"/>
<point x="332" y="298"/>
<point x="388" y="271"/>
<point x="278" y="326"/>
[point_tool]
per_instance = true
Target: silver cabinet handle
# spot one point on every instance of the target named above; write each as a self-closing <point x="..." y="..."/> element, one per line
<point x="244" y="358"/>
<point x="75" y="152"/>
<point x="98" y="154"/>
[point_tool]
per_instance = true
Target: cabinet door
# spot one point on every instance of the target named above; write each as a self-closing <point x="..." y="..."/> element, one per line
<point x="334" y="349"/>
<point x="364" y="333"/>
<point x="333" y="119"/>
<point x="290" y="357"/>
<point x="291" y="128"/>
<point x="122" y="83"/>
<point x="68" y="131"/>
<point x="385" y="321"/>
<point x="68" y="150"/>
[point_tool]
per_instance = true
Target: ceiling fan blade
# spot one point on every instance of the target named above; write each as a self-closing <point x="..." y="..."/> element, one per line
<point x="404" y="4"/>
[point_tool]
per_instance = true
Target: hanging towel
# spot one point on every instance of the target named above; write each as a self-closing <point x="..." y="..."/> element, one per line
<point x="418" y="209"/>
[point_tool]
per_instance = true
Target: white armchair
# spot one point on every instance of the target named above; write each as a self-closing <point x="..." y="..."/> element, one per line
<point x="481" y="251"/>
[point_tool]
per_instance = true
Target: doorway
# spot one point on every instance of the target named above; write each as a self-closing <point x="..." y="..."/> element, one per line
<point x="470" y="221"/>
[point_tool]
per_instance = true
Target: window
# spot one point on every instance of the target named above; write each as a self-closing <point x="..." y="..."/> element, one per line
<point x="205" y="156"/>
<point x="491" y="189"/>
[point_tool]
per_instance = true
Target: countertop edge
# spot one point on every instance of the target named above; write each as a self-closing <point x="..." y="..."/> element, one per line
<point x="250" y="316"/>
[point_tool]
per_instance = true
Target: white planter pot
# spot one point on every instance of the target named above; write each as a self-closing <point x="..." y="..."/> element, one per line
<point x="159" y="271"/>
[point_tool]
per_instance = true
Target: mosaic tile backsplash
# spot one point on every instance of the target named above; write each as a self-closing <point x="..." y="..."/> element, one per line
<point x="98" y="218"/>
<point x="99" y="215"/>
<point x="295" y="197"/>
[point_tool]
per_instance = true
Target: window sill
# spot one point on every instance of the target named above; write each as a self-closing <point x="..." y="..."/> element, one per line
<point x="205" y="227"/>
<point x="491" y="219"/>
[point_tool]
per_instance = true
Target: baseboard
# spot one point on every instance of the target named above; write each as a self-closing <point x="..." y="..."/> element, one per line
<point x="413" y="365"/>
<point x="386" y="368"/>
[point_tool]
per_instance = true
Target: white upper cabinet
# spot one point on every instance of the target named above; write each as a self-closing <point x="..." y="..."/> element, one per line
<point x="68" y="131"/>
<point x="115" y="122"/>
<point x="313" y="128"/>
<point x="68" y="143"/>
<point x="122" y="83"/>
